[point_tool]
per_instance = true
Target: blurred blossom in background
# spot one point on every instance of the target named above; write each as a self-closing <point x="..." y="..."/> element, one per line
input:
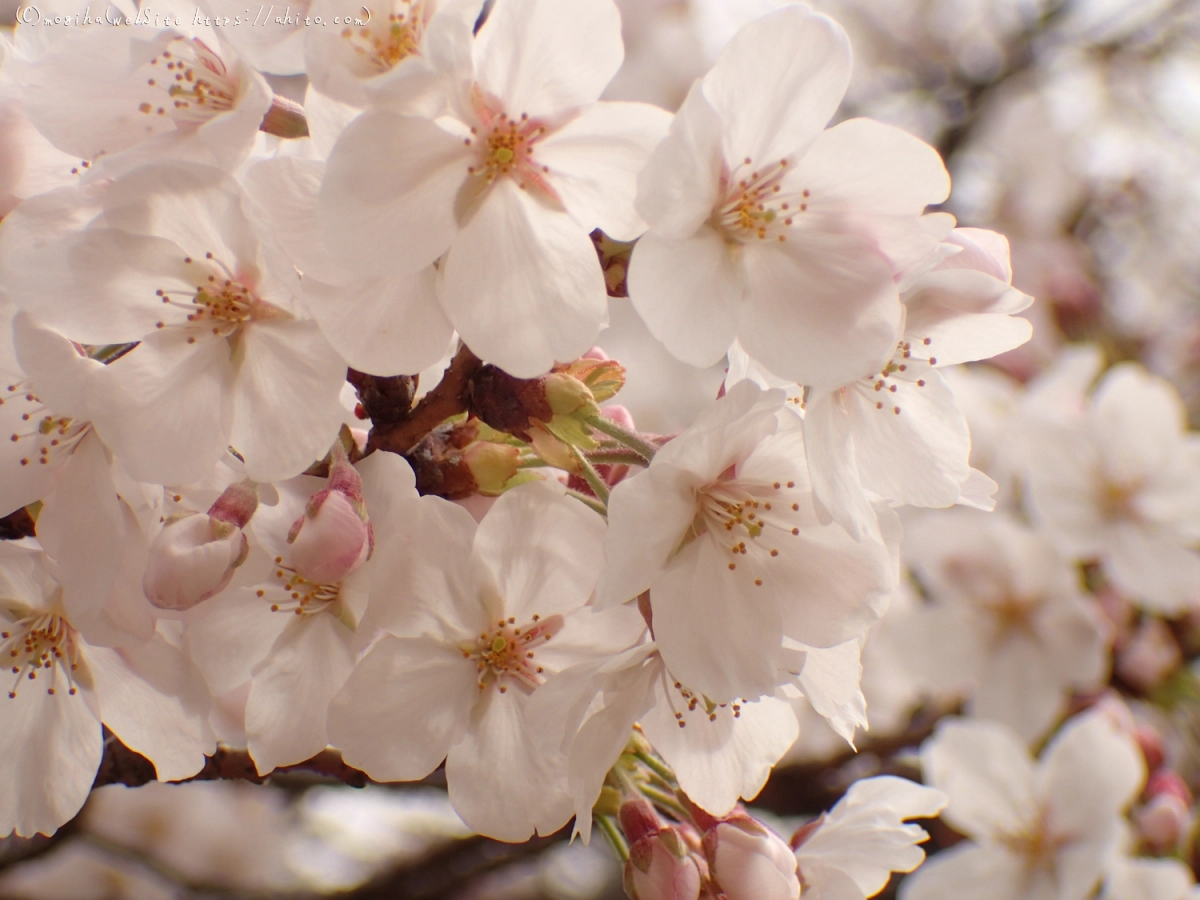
<point x="1072" y="128"/>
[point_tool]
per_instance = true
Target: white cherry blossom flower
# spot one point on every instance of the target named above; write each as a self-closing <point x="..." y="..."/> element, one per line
<point x="486" y="614"/>
<point x="172" y="262"/>
<point x="1133" y="878"/>
<point x="507" y="185"/>
<point x="765" y="228"/>
<point x="1043" y="831"/>
<point x="1122" y="486"/>
<point x="64" y="685"/>
<point x="1008" y="622"/>
<point x="140" y="93"/>
<point x="385" y="60"/>
<point x="293" y="638"/>
<point x="853" y="849"/>
<point x="722" y="530"/>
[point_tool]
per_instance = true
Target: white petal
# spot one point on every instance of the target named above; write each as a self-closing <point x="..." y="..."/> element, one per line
<point x="82" y="526"/>
<point x="830" y="682"/>
<point x="164" y="407"/>
<point x="715" y="633"/>
<point x="237" y="630"/>
<point x="154" y="700"/>
<point x="384" y="326"/>
<point x="832" y="466"/>
<point x="542" y="57"/>
<point x="51" y="746"/>
<point x="501" y="783"/>
<point x="1150" y="565"/>
<point x="1091" y="771"/>
<point x="688" y="292"/>
<point x="649" y="515"/>
<point x="965" y="315"/>
<point x="594" y="162"/>
<point x="387" y="200"/>
<point x="864" y="835"/>
<point x="544" y="549"/>
<point x="987" y="772"/>
<point x="287" y="375"/>
<point x="981" y="873"/>
<point x="402" y="707"/>
<point x="719" y="760"/>
<point x="291" y="690"/>
<point x="679" y="186"/>
<point x="821" y="308"/>
<point x="522" y="283"/>
<point x="805" y="58"/>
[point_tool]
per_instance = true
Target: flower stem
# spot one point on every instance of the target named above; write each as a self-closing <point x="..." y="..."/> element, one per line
<point x="661" y="769"/>
<point x="633" y="441"/>
<point x="589" y="502"/>
<point x="591" y="476"/>
<point x="665" y="801"/>
<point x="613" y="833"/>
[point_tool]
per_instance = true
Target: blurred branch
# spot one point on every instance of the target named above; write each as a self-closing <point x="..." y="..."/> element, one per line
<point x="120" y="765"/>
<point x="449" y="870"/>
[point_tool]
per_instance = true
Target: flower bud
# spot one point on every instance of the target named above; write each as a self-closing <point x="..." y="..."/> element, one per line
<point x="191" y="559"/>
<point x="750" y="862"/>
<point x="660" y="867"/>
<point x="334" y="536"/>
<point x="493" y="466"/>
<point x="1165" y="819"/>
<point x="1150" y="656"/>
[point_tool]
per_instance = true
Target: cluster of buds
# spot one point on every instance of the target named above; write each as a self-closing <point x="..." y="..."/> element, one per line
<point x="465" y="457"/>
<point x="195" y="555"/>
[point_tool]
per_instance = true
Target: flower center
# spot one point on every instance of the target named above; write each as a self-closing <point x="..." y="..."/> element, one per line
<point x="383" y="46"/>
<point x="755" y="205"/>
<point x="195" y="86"/>
<point x="41" y="643"/>
<point x="50" y="438"/>
<point x="297" y="595"/>
<point x="509" y="652"/>
<point x="1036" y="846"/>
<point x="505" y="147"/>
<point x="690" y="707"/>
<point x="221" y="302"/>
<point x="905" y="365"/>
<point x="746" y="519"/>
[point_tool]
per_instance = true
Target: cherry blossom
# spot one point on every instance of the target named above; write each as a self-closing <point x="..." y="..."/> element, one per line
<point x="172" y="262"/>
<point x="767" y="229"/>
<point x="486" y="613"/>
<point x="722" y="530"/>
<point x="64" y="685"/>
<point x="1008" y="621"/>
<point x="505" y="186"/>
<point x="1044" y="830"/>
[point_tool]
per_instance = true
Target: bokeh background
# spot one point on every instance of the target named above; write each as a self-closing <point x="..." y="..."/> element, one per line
<point x="1071" y="127"/>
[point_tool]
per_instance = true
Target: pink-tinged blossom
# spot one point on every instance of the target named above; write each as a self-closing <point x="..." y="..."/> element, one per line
<point x="1038" y="831"/>
<point x="482" y="616"/>
<point x="385" y="60"/>
<point x="721" y="529"/>
<point x="766" y="228"/>
<point x="1007" y="624"/>
<point x="506" y="185"/>
<point x="172" y="261"/>
<point x="1121" y="485"/>
<point x="294" y="638"/>
<point x="120" y="97"/>
<point x="63" y="686"/>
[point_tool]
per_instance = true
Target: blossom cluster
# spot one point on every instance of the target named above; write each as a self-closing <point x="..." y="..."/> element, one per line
<point x="303" y="406"/>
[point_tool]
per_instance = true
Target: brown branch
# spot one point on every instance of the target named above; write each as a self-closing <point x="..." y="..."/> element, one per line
<point x="120" y="765"/>
<point x="448" y="399"/>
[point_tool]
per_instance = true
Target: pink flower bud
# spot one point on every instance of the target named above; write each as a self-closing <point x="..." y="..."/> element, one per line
<point x="1163" y="822"/>
<point x="1149" y="656"/>
<point x="334" y="536"/>
<point x="750" y="862"/>
<point x="192" y="559"/>
<point x="661" y="867"/>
